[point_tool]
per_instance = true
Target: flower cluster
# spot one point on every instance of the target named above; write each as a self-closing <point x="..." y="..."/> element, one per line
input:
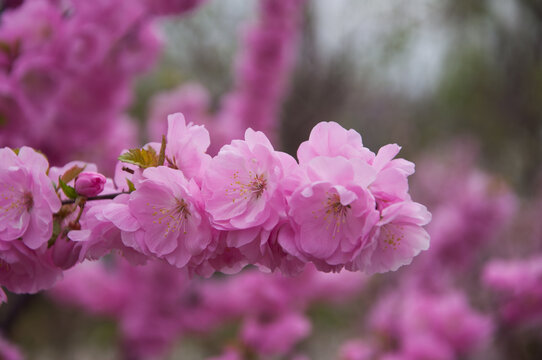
<point x="414" y="324"/>
<point x="67" y="67"/>
<point x="341" y="206"/>
<point x="272" y="317"/>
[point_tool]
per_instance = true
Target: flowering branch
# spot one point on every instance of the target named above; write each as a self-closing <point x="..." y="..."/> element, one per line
<point x="340" y="206"/>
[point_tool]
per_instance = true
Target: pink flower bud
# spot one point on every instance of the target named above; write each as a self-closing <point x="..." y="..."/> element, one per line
<point x="89" y="183"/>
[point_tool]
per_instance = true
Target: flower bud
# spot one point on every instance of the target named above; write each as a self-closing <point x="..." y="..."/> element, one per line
<point x="89" y="184"/>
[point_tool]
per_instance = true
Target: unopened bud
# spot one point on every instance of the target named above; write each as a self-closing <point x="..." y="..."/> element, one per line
<point x="89" y="184"/>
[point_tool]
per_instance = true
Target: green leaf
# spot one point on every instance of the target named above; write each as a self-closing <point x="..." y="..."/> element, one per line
<point x="57" y="228"/>
<point x="162" y="156"/>
<point x="67" y="189"/>
<point x="143" y="158"/>
<point x="131" y="186"/>
<point x="72" y="173"/>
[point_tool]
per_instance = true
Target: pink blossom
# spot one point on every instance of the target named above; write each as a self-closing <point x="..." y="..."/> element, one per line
<point x="332" y="212"/>
<point x="89" y="183"/>
<point x="24" y="270"/>
<point x="331" y="139"/>
<point x="27" y="197"/>
<point x="169" y="210"/>
<point x="104" y="226"/>
<point x="243" y="188"/>
<point x="385" y="244"/>
<point x="399" y="238"/>
<point x="391" y="184"/>
<point x="186" y="147"/>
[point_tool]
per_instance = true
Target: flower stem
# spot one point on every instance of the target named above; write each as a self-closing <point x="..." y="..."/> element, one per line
<point x="99" y="197"/>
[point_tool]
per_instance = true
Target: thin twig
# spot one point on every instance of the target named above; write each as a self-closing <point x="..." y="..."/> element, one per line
<point x="99" y="197"/>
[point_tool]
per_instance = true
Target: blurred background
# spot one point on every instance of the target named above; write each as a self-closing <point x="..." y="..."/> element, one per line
<point x="419" y="73"/>
<point x="454" y="82"/>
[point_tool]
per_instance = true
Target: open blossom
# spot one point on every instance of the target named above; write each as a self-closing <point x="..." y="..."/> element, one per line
<point x="332" y="212"/>
<point x="102" y="225"/>
<point x="364" y="207"/>
<point x="243" y="187"/>
<point x="169" y="210"/>
<point x="27" y="197"/>
<point x="399" y="237"/>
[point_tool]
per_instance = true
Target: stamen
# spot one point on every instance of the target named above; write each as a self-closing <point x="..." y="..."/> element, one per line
<point x="253" y="189"/>
<point x="334" y="213"/>
<point x="175" y="218"/>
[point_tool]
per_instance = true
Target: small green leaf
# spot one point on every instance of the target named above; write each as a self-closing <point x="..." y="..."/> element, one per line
<point x="162" y="156"/>
<point x="72" y="173"/>
<point x="16" y="151"/>
<point x="131" y="186"/>
<point x="67" y="189"/>
<point x="57" y="228"/>
<point x="143" y="158"/>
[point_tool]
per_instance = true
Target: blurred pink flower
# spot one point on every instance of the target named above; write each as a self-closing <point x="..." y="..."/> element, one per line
<point x="356" y="350"/>
<point x="9" y="351"/>
<point x="518" y="284"/>
<point x="270" y="333"/>
<point x="24" y="270"/>
<point x="424" y="323"/>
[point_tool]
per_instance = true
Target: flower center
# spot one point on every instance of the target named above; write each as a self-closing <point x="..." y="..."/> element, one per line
<point x="28" y="201"/>
<point x="335" y="213"/>
<point x="258" y="185"/>
<point x="13" y="202"/>
<point x="255" y="187"/>
<point x="174" y="218"/>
